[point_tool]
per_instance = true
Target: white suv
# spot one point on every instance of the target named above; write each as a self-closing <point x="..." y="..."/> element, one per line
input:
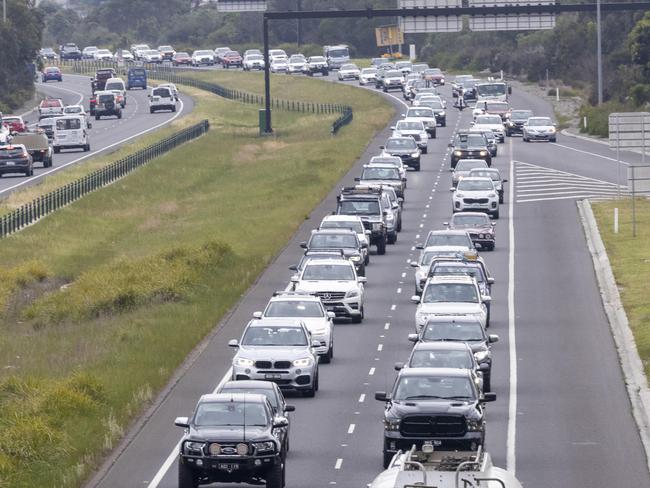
<point x="476" y="194"/>
<point x="336" y="282"/>
<point x="161" y="98"/>
<point x="450" y="296"/>
<point x="491" y="122"/>
<point x="311" y="311"/>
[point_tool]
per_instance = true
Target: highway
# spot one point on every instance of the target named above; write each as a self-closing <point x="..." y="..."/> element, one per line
<point x="562" y="416"/>
<point x="106" y="134"/>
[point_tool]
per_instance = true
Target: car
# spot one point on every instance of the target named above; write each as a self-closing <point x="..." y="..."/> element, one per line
<point x="434" y="75"/>
<point x="450" y="295"/>
<point x="392" y="208"/>
<point x="279" y="65"/>
<point x="117" y="86"/>
<point x="438" y="108"/>
<point x="278" y="350"/>
<point x="495" y="175"/>
<point x="89" y="52"/>
<point x="46" y="126"/>
<point x="316" y="254"/>
<point x="14" y="158"/>
<point x="479" y="108"/>
<point x="463" y="167"/>
<point x="376" y="62"/>
<point x="468" y="90"/>
<point x="410" y="86"/>
<point x="539" y="129"/>
<point x="37" y="145"/>
<point x="367" y="204"/>
<point x="136" y="78"/>
<point x="232" y="58"/>
<point x="427" y="256"/>
<point x="162" y="98"/>
<point x="394" y="161"/>
<point x="167" y="52"/>
<point x="389" y="80"/>
<point x="107" y="105"/>
<point x="48" y="53"/>
<point x="49" y="107"/>
<point x="367" y="76"/>
<point x="310" y="310"/>
<point x="461" y="329"/>
<point x="103" y="55"/>
<point x="515" y="123"/>
<point x="14" y="123"/>
<point x="404" y="66"/>
<point x="422" y="94"/>
<point x="232" y="437"/>
<point x="172" y="87"/>
<point x="419" y="67"/>
<point x="345" y="240"/>
<point x="349" y="71"/>
<point x="476" y="194"/>
<point x="297" y="63"/>
<point x="384" y="175"/>
<point x="5" y="133"/>
<point x="219" y="52"/>
<point x="98" y="82"/>
<point x="124" y="54"/>
<point x="253" y="61"/>
<point x="412" y="128"/>
<point x="478" y="224"/>
<point x="448" y="237"/>
<point x="51" y="73"/>
<point x="138" y="50"/>
<point x="426" y="115"/>
<point x="152" y="56"/>
<point x="491" y="122"/>
<point x="248" y="52"/>
<point x="468" y="145"/>
<point x="70" y="51"/>
<point x="353" y="223"/>
<point x="406" y="148"/>
<point x="71" y="132"/>
<point x="336" y="282"/>
<point x="457" y="84"/>
<point x="490" y="139"/>
<point x="316" y="64"/>
<point x="278" y="53"/>
<point x="438" y="405"/>
<point x="203" y="57"/>
<point x="181" y="58"/>
<point x="496" y="107"/>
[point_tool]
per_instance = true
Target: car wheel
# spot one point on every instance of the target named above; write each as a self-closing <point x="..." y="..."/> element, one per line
<point x="416" y="167"/>
<point x="97" y="117"/>
<point x="151" y="110"/>
<point x="366" y="260"/>
<point x="362" y="270"/>
<point x="399" y="225"/>
<point x="87" y="147"/>
<point x="357" y="319"/>
<point x="388" y="457"/>
<point x="174" y="108"/>
<point x="487" y="381"/>
<point x="392" y="238"/>
<point x="186" y="476"/>
<point x="275" y="476"/>
<point x="381" y="246"/>
<point x="500" y="198"/>
<point x="311" y="393"/>
<point x="553" y="140"/>
<point x="425" y="150"/>
<point x="119" y="116"/>
<point x="57" y="149"/>
<point x="495" y="214"/>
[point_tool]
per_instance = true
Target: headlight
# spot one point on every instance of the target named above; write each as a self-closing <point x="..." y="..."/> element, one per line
<point x="242" y="449"/>
<point x="552" y="130"/>
<point x="268" y="446"/>
<point x="244" y="362"/>
<point x="481" y="356"/>
<point x="390" y="217"/>
<point x="194" y="448"/>
<point x="376" y="226"/>
<point x="356" y="259"/>
<point x="458" y="153"/>
<point x="460" y="195"/>
<point x="318" y="332"/>
<point x="352" y="293"/>
<point x="474" y="425"/>
<point x="391" y="425"/>
<point x="303" y="362"/>
<point x="481" y="236"/>
<point x="483" y="153"/>
<point x="492" y="195"/>
<point x="415" y="154"/>
<point x="442" y="114"/>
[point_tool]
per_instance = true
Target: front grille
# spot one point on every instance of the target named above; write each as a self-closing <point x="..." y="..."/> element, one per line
<point x="416" y="137"/>
<point x="329" y="296"/>
<point x="263" y="364"/>
<point x="475" y="200"/>
<point x="433" y="426"/>
<point x="282" y="364"/>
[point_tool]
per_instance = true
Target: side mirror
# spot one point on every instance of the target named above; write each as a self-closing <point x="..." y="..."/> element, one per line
<point x="486" y="298"/>
<point x="492" y="338"/>
<point x="504" y="181"/>
<point x="331" y="315"/>
<point x="362" y="279"/>
<point x="414" y="264"/>
<point x="233" y="343"/>
<point x="493" y="224"/>
<point x="451" y="170"/>
<point x="382" y="396"/>
<point x="315" y="343"/>
<point x="453" y="188"/>
<point x="280" y="422"/>
<point x="488" y="397"/>
<point x="357" y="179"/>
<point x="399" y="366"/>
<point x="182" y="422"/>
<point x="303" y="244"/>
<point x="364" y="245"/>
<point x="484" y="367"/>
<point x="367" y="232"/>
<point x="490" y="281"/>
<point x="293" y="267"/>
<point x="413" y="338"/>
<point x="446" y="224"/>
<point x="382" y="147"/>
<point x="450" y="145"/>
<point x="257" y="315"/>
<point x="392" y="127"/>
<point x="295" y="279"/>
<point x="289" y="408"/>
<point x="415" y="299"/>
<point x="419" y="246"/>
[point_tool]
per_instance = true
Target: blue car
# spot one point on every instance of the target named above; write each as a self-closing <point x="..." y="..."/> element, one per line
<point x="136" y="78"/>
<point x="52" y="73"/>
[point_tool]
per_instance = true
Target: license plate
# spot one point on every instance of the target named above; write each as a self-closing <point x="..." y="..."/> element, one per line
<point x="272" y="376"/>
<point x="228" y="467"/>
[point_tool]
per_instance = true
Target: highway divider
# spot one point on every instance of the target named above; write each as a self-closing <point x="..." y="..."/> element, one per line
<point x="174" y="75"/>
<point x="40" y="207"/>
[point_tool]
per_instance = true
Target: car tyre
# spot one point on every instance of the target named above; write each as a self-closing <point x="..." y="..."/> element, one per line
<point x="57" y="149"/>
<point x="425" y="150"/>
<point x="399" y="225"/>
<point x="357" y="319"/>
<point x="392" y="238"/>
<point x="119" y="115"/>
<point x="388" y="457"/>
<point x="97" y="117"/>
<point x="381" y="246"/>
<point x="275" y="476"/>
<point x="495" y="214"/>
<point x="487" y="381"/>
<point x="311" y="393"/>
<point x="174" y="108"/>
<point x="554" y="139"/>
<point x="186" y="476"/>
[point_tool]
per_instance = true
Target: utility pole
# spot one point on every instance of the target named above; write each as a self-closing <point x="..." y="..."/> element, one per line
<point x="4" y="11"/>
<point x="299" y="27"/>
<point x="599" y="54"/>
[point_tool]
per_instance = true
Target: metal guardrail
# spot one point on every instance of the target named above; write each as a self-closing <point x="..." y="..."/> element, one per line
<point x="60" y="197"/>
<point x="174" y="75"/>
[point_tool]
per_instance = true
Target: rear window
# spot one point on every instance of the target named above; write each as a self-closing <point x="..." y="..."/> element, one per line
<point x="51" y="103"/>
<point x="137" y="72"/>
<point x="10" y="153"/>
<point x="68" y="124"/>
<point x="162" y="92"/>
<point x="106" y="98"/>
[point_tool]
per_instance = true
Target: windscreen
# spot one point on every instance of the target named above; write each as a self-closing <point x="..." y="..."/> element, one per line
<point x="448" y="240"/>
<point x="294" y="308"/>
<point x="491" y="89"/>
<point x="450" y="292"/>
<point x="470" y="220"/>
<point x="453" y="331"/>
<point x="539" y="122"/>
<point x="359" y="207"/>
<point x="380" y="174"/>
<point x="404" y="144"/>
<point x="343" y="224"/>
<point x="220" y="414"/>
<point x="434" y="387"/>
<point x="329" y="272"/>
<point x="474" y="271"/>
<point x="475" y="185"/>
<point x="274" y="336"/>
<point x="335" y="241"/>
<point x="467" y="164"/>
<point x="441" y="359"/>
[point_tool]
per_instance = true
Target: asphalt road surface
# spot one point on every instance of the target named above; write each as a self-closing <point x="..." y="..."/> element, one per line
<point x="106" y="134"/>
<point x="562" y="416"/>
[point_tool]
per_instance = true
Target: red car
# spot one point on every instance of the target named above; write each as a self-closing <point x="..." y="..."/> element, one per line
<point x="181" y="58"/>
<point x="14" y="123"/>
<point x="232" y="58"/>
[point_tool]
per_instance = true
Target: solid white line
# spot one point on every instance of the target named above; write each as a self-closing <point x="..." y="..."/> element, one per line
<point x="351" y="429"/>
<point x="93" y="153"/>
<point x="362" y="398"/>
<point x="590" y="153"/>
<point x="338" y="464"/>
<point x="570" y="197"/>
<point x="512" y="344"/>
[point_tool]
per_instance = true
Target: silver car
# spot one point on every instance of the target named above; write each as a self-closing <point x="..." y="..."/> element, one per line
<point x="539" y="129"/>
<point x="278" y="350"/>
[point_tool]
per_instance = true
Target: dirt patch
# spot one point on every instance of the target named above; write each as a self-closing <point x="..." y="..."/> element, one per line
<point x="566" y="108"/>
<point x="26" y="295"/>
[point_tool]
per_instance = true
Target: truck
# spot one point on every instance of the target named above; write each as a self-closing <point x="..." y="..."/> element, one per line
<point x="37" y="144"/>
<point x="444" y="469"/>
<point x="336" y="56"/>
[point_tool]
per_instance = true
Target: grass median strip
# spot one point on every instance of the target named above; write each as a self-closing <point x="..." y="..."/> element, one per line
<point x="630" y="260"/>
<point x="101" y="301"/>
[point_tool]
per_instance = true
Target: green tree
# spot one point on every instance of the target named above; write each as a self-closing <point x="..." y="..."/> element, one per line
<point x="639" y="42"/>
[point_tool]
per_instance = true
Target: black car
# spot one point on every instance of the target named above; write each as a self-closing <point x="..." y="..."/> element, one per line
<point x="478" y="225"/>
<point x="232" y="438"/>
<point x="406" y="148"/>
<point x="70" y="51"/>
<point x="469" y="145"/>
<point x="345" y="240"/>
<point x="462" y="329"/>
<point x="37" y="145"/>
<point x="15" y="159"/>
<point x="440" y="405"/>
<point x="515" y="123"/>
<point x="366" y="203"/>
<point x="106" y="104"/>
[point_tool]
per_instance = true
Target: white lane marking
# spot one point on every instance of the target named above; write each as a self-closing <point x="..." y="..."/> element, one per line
<point x="511" y="459"/>
<point x="404" y="275"/>
<point x="387" y="326"/>
<point x="362" y="398"/>
<point x="565" y="191"/>
<point x="399" y="290"/>
<point x="338" y="464"/>
<point x="93" y="153"/>
<point x="421" y="225"/>
<point x="393" y="307"/>
<point x="575" y="196"/>
<point x="590" y="153"/>
<point x="351" y="429"/>
<point x="551" y="184"/>
<point x="371" y="372"/>
<point x="155" y="481"/>
<point x="380" y="347"/>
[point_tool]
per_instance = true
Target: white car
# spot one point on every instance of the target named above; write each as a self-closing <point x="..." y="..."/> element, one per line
<point x="139" y="49"/>
<point x="450" y="296"/>
<point x="336" y="282"/>
<point x="476" y="194"/>
<point x="297" y="63"/>
<point x="103" y="55"/>
<point x="349" y="72"/>
<point x="277" y="53"/>
<point x="203" y="57"/>
<point x="424" y="114"/>
<point x="89" y="52"/>
<point x="117" y="86"/>
<point x="70" y="131"/>
<point x="172" y="87"/>
<point x="539" y="129"/>
<point x="367" y="75"/>
<point x="279" y="65"/>
<point x="126" y="55"/>
<point x="4" y="134"/>
<point x="253" y="61"/>
<point x="161" y="98"/>
<point x="396" y="161"/>
<point x="311" y="311"/>
<point x="77" y="110"/>
<point x="351" y="222"/>
<point x="490" y="122"/>
<point x="404" y="66"/>
<point x="152" y="56"/>
<point x="427" y="255"/>
<point x="479" y="109"/>
<point x="414" y="128"/>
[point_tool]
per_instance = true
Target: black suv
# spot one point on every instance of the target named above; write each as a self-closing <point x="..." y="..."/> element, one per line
<point x="70" y="51"/>
<point x="469" y="145"/>
<point x="515" y="123"/>
<point x="439" y="405"/>
<point x="232" y="438"/>
<point x="345" y="240"/>
<point x="106" y="104"/>
<point x="366" y="203"/>
<point x="406" y="148"/>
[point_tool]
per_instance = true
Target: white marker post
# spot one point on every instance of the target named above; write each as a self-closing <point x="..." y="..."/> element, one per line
<point x="615" y="220"/>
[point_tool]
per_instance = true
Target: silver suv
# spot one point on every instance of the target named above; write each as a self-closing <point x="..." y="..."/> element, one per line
<point x="278" y="350"/>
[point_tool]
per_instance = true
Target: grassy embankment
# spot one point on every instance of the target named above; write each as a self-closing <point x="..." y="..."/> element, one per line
<point x="630" y="260"/>
<point x="101" y="301"/>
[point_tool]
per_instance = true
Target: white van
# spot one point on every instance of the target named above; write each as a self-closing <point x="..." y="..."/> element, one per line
<point x="117" y="86"/>
<point x="161" y="98"/>
<point x="70" y="131"/>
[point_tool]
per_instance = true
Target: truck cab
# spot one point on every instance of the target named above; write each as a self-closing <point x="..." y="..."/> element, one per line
<point x="336" y="56"/>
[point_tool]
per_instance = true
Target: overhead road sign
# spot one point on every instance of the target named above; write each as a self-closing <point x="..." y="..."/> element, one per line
<point x="389" y="35"/>
<point x="511" y="21"/>
<point x="241" y="5"/>
<point x="417" y="24"/>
